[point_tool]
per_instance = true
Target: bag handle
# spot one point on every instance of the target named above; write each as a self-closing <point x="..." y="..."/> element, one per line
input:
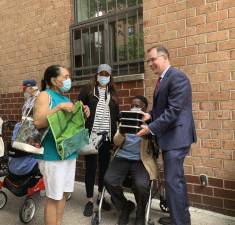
<point x="34" y="99"/>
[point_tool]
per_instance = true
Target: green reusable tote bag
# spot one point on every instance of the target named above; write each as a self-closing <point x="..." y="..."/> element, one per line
<point x="69" y="131"/>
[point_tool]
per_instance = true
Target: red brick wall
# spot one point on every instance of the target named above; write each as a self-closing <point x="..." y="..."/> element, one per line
<point x="200" y="36"/>
<point x="34" y="34"/>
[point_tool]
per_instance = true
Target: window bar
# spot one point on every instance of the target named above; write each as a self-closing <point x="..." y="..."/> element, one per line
<point x="81" y="47"/>
<point x="126" y="40"/>
<point x="138" y="38"/>
<point x="106" y="3"/>
<point x="106" y="49"/>
<point x="75" y="10"/>
<point x="116" y="39"/>
<point x="72" y="39"/>
<point x="89" y="39"/>
<point x="98" y="28"/>
<point x="89" y="8"/>
<point x="110" y="55"/>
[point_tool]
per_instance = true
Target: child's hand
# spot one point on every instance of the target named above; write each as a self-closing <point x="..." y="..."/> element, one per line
<point x="146" y="116"/>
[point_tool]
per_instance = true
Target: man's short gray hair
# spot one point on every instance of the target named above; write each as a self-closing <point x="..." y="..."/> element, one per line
<point x="160" y="49"/>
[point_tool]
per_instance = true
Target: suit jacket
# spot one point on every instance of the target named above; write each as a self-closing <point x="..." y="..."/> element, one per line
<point x="172" y="118"/>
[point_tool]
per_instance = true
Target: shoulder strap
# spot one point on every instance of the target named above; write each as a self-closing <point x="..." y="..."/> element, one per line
<point x="33" y="101"/>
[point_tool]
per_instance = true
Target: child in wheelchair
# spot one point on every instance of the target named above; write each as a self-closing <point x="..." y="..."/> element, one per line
<point x="133" y="157"/>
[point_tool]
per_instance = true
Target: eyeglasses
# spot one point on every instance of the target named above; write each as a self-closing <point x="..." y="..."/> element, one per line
<point x="153" y="59"/>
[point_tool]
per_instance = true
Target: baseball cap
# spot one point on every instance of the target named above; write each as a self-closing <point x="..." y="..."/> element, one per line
<point x="104" y="67"/>
<point x="28" y="83"/>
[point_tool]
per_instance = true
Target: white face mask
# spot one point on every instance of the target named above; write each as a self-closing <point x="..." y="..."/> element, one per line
<point x="67" y="84"/>
<point x="103" y="80"/>
<point x="135" y="109"/>
<point x="26" y="95"/>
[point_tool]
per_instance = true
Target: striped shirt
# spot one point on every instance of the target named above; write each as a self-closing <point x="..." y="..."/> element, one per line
<point x="101" y="121"/>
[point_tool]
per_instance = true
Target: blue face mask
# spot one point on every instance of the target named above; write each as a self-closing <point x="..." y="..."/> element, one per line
<point x="103" y="80"/>
<point x="66" y="85"/>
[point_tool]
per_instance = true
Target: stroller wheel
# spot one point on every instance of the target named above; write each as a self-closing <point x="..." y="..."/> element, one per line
<point x="3" y="169"/>
<point x="164" y="207"/>
<point x="95" y="219"/>
<point x="27" y="210"/>
<point x="3" y="199"/>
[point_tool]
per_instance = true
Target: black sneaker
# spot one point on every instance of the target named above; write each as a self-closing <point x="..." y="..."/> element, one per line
<point x="123" y="218"/>
<point x="105" y="204"/>
<point x="88" y="210"/>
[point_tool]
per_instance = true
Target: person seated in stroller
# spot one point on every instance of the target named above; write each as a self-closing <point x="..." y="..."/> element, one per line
<point x="22" y="164"/>
<point x="133" y="157"/>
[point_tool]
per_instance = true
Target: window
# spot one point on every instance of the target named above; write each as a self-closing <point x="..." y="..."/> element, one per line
<point x="107" y="31"/>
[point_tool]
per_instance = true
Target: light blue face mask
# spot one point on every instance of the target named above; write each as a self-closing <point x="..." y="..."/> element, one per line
<point x="66" y="85"/>
<point x="103" y="80"/>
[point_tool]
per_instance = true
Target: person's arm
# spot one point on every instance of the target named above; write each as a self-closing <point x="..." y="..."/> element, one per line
<point x="179" y="92"/>
<point x="118" y="139"/>
<point x="42" y="109"/>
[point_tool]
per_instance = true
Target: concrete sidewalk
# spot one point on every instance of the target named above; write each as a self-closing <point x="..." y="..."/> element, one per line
<point x="74" y="208"/>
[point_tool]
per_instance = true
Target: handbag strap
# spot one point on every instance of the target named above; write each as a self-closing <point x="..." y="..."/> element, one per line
<point x="32" y="105"/>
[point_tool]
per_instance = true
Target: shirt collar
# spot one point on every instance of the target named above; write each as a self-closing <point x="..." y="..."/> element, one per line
<point x="164" y="72"/>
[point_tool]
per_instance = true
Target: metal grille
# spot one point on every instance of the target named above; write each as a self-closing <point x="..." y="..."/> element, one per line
<point x="108" y="31"/>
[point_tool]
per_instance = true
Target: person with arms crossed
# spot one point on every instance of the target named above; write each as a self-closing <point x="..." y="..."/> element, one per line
<point x="101" y="97"/>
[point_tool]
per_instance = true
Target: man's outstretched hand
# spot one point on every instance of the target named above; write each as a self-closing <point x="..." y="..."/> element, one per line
<point x="144" y="131"/>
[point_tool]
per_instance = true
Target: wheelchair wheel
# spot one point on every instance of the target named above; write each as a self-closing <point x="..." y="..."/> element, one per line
<point x="27" y="210"/>
<point x="69" y="196"/>
<point x="164" y="207"/>
<point x="95" y="219"/>
<point x="3" y="199"/>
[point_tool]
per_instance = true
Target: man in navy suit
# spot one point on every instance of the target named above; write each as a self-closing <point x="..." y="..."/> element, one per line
<point x="173" y="126"/>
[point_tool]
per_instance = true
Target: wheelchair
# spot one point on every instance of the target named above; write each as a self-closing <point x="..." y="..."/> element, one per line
<point x="25" y="185"/>
<point x="156" y="186"/>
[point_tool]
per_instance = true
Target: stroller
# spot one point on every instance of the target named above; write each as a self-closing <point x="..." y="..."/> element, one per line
<point x="25" y="185"/>
<point x="155" y="186"/>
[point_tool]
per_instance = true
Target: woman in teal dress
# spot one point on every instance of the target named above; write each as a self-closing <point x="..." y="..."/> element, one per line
<point x="58" y="174"/>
